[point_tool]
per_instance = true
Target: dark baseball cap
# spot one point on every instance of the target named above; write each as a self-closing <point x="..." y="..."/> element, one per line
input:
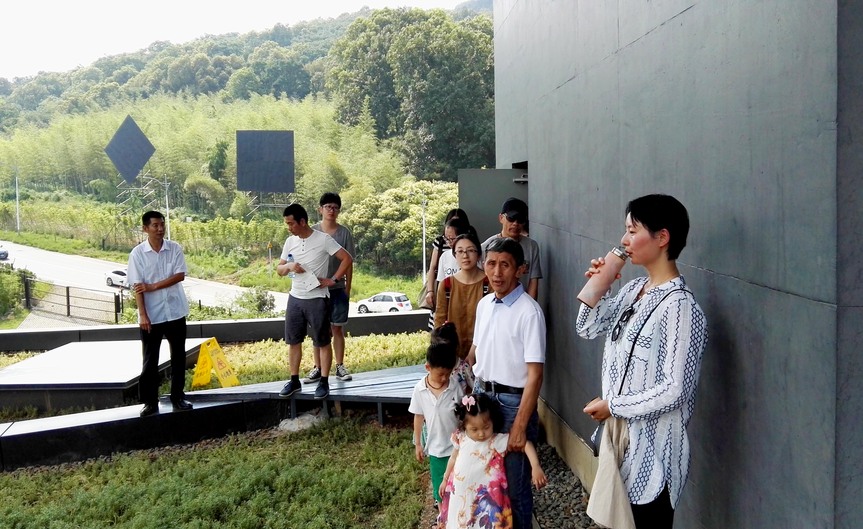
<point x="515" y="210"/>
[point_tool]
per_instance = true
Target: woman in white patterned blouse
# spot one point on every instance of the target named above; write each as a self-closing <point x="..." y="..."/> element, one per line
<point x="657" y="320"/>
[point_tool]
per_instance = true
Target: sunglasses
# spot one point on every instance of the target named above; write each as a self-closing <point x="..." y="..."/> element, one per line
<point x="515" y="218"/>
<point x="618" y="327"/>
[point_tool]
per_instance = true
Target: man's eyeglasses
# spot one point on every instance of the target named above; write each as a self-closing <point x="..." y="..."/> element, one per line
<point x="469" y="251"/>
<point x="618" y="327"/>
<point x="332" y="207"/>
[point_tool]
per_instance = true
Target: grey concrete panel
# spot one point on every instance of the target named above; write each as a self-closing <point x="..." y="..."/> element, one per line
<point x="849" y="410"/>
<point x="849" y="397"/>
<point x="849" y="168"/>
<point x="731" y="107"/>
<point x="762" y="433"/>
<point x="482" y="192"/>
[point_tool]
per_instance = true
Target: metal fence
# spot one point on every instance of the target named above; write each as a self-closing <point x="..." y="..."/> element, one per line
<point x="73" y="302"/>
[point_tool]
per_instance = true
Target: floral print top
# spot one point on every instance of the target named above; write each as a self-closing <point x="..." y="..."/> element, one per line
<point x="476" y="492"/>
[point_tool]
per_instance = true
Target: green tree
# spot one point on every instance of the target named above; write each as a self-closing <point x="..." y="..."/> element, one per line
<point x="361" y="73"/>
<point x="280" y="70"/>
<point x="444" y="77"/>
<point x="387" y="227"/>
<point x="428" y="83"/>
<point x="218" y="161"/>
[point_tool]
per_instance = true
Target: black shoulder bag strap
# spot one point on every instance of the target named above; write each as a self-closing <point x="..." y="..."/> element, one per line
<point x="649" y="314"/>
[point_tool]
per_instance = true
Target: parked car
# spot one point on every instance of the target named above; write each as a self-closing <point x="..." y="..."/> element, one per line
<point x="4" y="254"/>
<point x="116" y="278"/>
<point x="385" y="302"/>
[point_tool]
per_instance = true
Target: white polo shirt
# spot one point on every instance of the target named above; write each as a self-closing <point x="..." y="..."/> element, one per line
<point x="149" y="266"/>
<point x="313" y="254"/>
<point x="508" y="335"/>
<point x="438" y="414"/>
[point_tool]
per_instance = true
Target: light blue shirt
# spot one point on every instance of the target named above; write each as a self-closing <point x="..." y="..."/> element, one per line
<point x="148" y="266"/>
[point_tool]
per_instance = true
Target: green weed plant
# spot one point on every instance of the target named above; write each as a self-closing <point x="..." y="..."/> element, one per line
<point x="251" y="481"/>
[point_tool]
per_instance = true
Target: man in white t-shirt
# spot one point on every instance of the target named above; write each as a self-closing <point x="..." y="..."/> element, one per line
<point x="306" y="255"/>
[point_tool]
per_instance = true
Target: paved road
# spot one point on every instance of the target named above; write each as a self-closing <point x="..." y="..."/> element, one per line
<point x="86" y="272"/>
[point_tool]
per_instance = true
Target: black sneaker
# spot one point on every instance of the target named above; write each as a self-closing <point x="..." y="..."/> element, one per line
<point x="323" y="390"/>
<point x="290" y="388"/>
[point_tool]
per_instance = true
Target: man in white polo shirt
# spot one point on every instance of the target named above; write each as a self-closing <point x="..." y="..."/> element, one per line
<point x="508" y="354"/>
<point x="306" y="255"/>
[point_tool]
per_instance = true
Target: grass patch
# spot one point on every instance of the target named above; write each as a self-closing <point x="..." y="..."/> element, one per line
<point x="264" y="479"/>
<point x="267" y="360"/>
<point x="255" y="480"/>
<point x="13" y="320"/>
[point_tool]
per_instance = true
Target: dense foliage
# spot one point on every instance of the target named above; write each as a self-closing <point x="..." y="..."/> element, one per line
<point x="428" y="83"/>
<point x="376" y="100"/>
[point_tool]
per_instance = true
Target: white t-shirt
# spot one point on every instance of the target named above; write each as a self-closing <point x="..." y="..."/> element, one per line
<point x="438" y="415"/>
<point x="447" y="264"/>
<point x="508" y="336"/>
<point x="313" y="254"/>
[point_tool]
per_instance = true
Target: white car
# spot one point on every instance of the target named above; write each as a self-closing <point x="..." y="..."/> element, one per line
<point x="116" y="278"/>
<point x="385" y="302"/>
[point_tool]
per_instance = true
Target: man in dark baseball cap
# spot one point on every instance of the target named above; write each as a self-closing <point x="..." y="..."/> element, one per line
<point x="515" y="210"/>
<point x="513" y="220"/>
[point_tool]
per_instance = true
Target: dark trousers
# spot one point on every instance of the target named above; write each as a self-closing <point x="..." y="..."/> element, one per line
<point x="657" y="514"/>
<point x="148" y="385"/>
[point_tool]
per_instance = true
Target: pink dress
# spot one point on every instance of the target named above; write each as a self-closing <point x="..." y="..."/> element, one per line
<point x="476" y="492"/>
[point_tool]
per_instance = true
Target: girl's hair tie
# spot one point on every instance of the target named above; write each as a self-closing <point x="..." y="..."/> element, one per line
<point x="467" y="401"/>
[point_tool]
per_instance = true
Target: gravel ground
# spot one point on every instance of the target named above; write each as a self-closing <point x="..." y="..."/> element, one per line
<point x="559" y="505"/>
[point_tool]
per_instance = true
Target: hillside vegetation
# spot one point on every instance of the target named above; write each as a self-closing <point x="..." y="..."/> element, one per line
<point x="385" y="106"/>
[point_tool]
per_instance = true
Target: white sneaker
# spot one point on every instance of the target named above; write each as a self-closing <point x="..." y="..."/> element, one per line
<point x="342" y="373"/>
<point x="314" y="375"/>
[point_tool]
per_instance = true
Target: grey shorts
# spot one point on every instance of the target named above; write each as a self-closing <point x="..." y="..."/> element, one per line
<point x="340" y="303"/>
<point x="308" y="316"/>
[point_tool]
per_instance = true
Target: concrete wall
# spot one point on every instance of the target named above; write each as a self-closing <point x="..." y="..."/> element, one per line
<point x="749" y="113"/>
<point x="482" y="192"/>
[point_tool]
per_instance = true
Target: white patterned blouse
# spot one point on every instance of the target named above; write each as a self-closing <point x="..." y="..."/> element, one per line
<point x="658" y="392"/>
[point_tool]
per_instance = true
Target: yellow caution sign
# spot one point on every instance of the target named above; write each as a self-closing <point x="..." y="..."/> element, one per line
<point x="212" y="357"/>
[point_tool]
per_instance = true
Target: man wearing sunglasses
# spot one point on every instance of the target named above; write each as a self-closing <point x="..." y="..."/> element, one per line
<point x="513" y="221"/>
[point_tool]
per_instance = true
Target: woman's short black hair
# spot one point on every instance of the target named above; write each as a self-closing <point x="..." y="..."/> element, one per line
<point x="662" y="212"/>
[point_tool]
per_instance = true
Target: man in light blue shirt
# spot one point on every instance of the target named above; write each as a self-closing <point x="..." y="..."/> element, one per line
<point x="156" y="270"/>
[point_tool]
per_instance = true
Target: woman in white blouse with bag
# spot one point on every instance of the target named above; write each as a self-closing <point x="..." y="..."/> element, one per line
<point x="655" y="334"/>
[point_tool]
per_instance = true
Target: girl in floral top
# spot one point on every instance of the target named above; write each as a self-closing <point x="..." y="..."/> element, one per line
<point x="474" y="488"/>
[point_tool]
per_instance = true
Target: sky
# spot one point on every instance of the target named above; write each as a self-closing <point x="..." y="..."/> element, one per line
<point x="60" y="35"/>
